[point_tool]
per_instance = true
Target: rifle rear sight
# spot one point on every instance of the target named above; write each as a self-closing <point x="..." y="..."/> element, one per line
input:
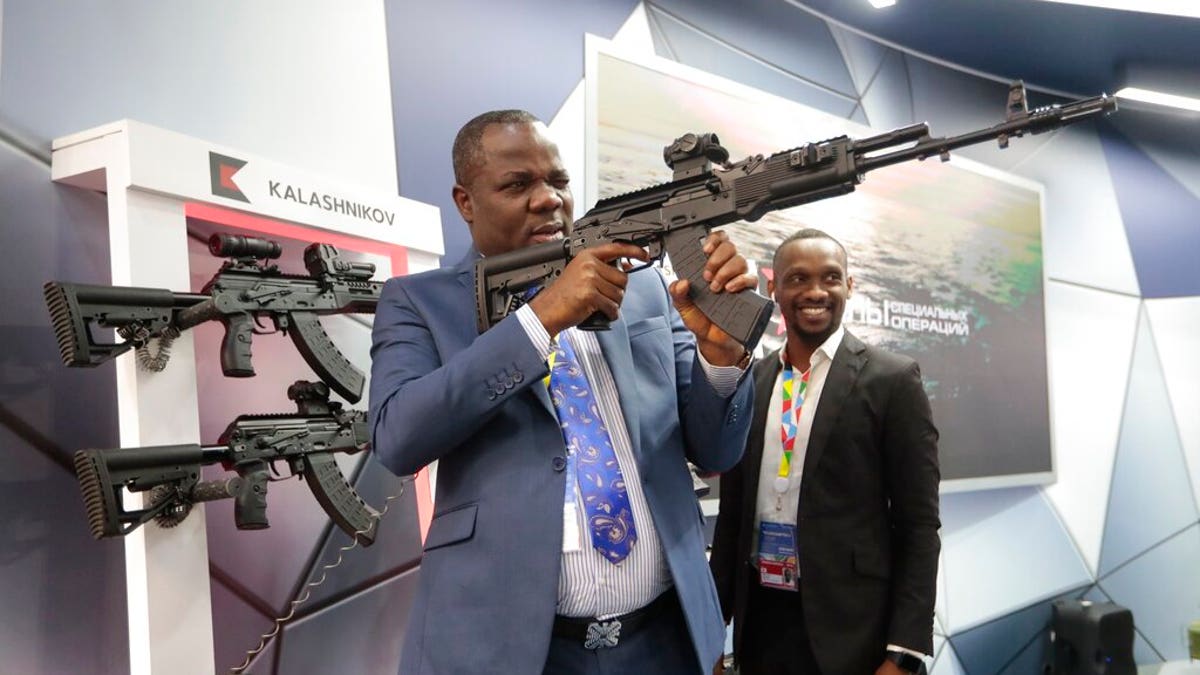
<point x="693" y="154"/>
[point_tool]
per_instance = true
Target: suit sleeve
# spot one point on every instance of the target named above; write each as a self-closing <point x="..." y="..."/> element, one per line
<point x="724" y="559"/>
<point x="912" y="475"/>
<point x="715" y="427"/>
<point x="422" y="408"/>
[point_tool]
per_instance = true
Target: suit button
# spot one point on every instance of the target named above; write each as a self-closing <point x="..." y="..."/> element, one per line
<point x="518" y="377"/>
<point x="559" y="463"/>
<point x="498" y="389"/>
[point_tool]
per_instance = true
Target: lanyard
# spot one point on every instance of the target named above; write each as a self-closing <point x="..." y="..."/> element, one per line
<point x="793" y="401"/>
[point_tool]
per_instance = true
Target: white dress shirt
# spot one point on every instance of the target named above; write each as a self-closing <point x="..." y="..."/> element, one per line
<point x="771" y="505"/>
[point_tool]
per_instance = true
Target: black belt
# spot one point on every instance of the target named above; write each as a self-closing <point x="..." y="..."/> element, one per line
<point x="599" y="634"/>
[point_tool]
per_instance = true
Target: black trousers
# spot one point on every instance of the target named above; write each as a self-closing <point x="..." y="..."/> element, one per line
<point x="775" y="639"/>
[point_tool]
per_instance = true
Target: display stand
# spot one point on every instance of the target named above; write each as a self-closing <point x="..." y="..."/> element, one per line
<point x="154" y="180"/>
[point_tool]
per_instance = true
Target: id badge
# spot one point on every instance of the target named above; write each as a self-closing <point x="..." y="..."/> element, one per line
<point x="777" y="561"/>
<point x="571" y="533"/>
<point x="571" y="529"/>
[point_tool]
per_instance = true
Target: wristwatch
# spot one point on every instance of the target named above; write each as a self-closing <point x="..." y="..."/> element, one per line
<point x="744" y="362"/>
<point x="907" y="662"/>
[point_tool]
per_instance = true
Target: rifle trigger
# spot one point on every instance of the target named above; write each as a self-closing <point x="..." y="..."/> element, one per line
<point x="281" y="325"/>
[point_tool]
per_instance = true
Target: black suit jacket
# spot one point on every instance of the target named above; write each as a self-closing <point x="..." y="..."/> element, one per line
<point x="867" y="526"/>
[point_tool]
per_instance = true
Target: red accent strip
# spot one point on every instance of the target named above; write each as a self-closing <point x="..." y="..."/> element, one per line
<point x="283" y="228"/>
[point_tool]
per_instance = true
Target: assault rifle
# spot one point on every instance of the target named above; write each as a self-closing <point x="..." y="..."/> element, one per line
<point x="251" y="445"/>
<point x="675" y="217"/>
<point x="243" y="292"/>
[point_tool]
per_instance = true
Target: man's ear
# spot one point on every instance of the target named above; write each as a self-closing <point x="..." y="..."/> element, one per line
<point x="462" y="200"/>
<point x="849" y="286"/>
<point x="771" y="286"/>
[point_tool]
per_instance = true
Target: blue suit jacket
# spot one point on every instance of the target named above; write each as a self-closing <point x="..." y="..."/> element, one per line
<point x="441" y="391"/>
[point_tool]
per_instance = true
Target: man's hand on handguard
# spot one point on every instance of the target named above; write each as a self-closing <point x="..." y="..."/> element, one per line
<point x="589" y="284"/>
<point x="726" y="272"/>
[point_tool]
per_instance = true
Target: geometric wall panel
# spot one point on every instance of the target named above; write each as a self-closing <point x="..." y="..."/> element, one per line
<point x="1180" y="164"/>
<point x="1162" y="589"/>
<point x="63" y="607"/>
<point x="888" y="101"/>
<point x="1160" y="219"/>
<point x="1084" y="238"/>
<point x="769" y="32"/>
<point x="947" y="662"/>
<point x="379" y="619"/>
<point x="239" y="630"/>
<point x="1029" y="660"/>
<point x="1170" y="140"/>
<point x="1175" y="323"/>
<point x="706" y="52"/>
<point x="1086" y="424"/>
<point x="1151" y="498"/>
<point x="58" y="585"/>
<point x="988" y="535"/>
<point x="863" y="56"/>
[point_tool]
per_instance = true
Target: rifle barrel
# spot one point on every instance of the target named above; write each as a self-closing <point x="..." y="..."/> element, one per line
<point x="1033" y="122"/>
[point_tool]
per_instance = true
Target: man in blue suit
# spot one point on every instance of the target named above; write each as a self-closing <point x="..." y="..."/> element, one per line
<point x="541" y="558"/>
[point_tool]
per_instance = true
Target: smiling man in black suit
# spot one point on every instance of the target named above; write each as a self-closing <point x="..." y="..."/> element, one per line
<point x="826" y="547"/>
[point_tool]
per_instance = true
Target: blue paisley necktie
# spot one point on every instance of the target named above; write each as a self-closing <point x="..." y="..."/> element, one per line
<point x="605" y="502"/>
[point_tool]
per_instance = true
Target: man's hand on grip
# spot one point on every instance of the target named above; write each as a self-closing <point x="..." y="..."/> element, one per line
<point x="590" y="283"/>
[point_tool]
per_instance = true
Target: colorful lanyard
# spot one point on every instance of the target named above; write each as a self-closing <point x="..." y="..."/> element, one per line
<point x="793" y="401"/>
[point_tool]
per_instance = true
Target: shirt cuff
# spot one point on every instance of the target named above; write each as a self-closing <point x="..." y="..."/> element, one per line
<point x="904" y="650"/>
<point x="536" y="331"/>
<point x="723" y="379"/>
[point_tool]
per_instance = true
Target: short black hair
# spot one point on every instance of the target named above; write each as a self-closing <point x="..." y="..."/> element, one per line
<point x="467" y="152"/>
<point x="810" y="233"/>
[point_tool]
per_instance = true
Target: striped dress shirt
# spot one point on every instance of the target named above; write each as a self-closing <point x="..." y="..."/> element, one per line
<point x="588" y="584"/>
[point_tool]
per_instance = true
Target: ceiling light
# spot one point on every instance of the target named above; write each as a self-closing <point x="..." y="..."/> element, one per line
<point x="1159" y="98"/>
<point x="880" y="4"/>
<point x="1173" y="7"/>
<point x="1166" y="85"/>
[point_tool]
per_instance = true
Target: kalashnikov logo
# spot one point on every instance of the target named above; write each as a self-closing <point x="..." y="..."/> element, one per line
<point x="221" y="170"/>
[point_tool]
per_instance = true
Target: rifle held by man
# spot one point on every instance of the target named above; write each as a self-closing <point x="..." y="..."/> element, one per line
<point x="676" y="217"/>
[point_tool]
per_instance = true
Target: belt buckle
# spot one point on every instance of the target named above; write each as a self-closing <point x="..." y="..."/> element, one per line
<point x="602" y="634"/>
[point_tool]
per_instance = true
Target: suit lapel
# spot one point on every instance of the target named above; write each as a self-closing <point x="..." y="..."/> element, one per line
<point x="614" y="347"/>
<point x="843" y="372"/>
<point x="766" y="372"/>
<point x="466" y="278"/>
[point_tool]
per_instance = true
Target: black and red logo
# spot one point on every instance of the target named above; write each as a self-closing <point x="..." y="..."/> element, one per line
<point x="221" y="170"/>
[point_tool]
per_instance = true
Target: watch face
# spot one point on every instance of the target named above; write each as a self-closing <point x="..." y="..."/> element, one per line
<point x="744" y="362"/>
